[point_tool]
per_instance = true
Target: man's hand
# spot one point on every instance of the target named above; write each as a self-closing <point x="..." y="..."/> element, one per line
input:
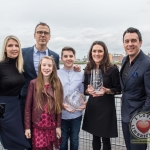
<point x="67" y="107"/>
<point x="28" y="133"/>
<point x="58" y="133"/>
<point x="77" y="68"/>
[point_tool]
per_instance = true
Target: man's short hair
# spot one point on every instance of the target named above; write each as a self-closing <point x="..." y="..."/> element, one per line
<point x="133" y="30"/>
<point x="42" y="24"/>
<point x="67" y="48"/>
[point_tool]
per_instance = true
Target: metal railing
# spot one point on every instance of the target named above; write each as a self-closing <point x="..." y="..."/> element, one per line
<point x="85" y="139"/>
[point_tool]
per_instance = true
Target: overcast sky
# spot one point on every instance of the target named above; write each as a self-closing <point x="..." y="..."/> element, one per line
<point x="76" y="23"/>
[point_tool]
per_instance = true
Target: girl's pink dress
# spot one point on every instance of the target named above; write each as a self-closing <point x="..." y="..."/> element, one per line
<point x="44" y="133"/>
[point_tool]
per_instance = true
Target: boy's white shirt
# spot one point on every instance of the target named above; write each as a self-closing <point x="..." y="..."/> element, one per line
<point x="71" y="81"/>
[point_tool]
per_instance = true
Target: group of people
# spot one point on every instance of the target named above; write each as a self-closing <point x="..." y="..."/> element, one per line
<point x="33" y="89"/>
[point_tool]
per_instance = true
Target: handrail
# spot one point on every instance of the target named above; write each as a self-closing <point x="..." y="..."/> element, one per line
<point x="85" y="139"/>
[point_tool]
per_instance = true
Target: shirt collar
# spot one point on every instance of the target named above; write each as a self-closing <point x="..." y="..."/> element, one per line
<point x="68" y="70"/>
<point x="133" y="61"/>
<point x="37" y="51"/>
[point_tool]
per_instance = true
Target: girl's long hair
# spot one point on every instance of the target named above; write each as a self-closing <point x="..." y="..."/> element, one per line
<point x="55" y="84"/>
<point x="105" y="63"/>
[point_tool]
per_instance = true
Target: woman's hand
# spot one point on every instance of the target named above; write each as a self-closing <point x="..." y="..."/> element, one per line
<point x="28" y="133"/>
<point x="58" y="133"/>
<point x="100" y="93"/>
<point x="77" y="68"/>
<point x="90" y="90"/>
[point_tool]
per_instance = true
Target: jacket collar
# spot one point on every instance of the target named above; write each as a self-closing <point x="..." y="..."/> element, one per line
<point x="49" y="91"/>
<point x="134" y="67"/>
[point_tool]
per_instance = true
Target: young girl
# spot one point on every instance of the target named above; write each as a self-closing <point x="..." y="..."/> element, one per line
<point x="43" y="107"/>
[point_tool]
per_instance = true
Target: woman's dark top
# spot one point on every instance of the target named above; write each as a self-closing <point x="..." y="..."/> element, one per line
<point x="100" y="114"/>
<point x="11" y="81"/>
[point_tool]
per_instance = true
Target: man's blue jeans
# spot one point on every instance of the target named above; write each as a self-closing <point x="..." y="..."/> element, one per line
<point x="70" y="129"/>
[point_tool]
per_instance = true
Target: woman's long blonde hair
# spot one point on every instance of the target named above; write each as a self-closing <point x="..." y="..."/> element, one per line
<point x="19" y="62"/>
<point x="55" y="84"/>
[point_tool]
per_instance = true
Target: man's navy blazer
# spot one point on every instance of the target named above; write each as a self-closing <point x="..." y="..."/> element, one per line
<point x="29" y="69"/>
<point x="136" y="88"/>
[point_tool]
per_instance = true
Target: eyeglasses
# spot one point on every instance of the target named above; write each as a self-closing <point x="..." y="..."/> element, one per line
<point x="42" y="32"/>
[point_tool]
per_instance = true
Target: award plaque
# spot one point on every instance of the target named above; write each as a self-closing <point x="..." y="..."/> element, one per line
<point x="74" y="100"/>
<point x="96" y="80"/>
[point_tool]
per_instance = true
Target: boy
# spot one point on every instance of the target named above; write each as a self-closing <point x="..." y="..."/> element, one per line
<point x="71" y="80"/>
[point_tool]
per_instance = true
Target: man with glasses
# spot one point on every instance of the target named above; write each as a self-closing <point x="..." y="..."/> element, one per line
<point x="32" y="56"/>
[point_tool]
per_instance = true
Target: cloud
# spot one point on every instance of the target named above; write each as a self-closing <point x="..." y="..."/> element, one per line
<point x="76" y="23"/>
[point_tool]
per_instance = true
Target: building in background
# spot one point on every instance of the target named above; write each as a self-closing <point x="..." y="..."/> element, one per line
<point x="110" y="57"/>
<point x="116" y="58"/>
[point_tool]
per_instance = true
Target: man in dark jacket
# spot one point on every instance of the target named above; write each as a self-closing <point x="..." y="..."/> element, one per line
<point x="135" y="84"/>
<point x="32" y="56"/>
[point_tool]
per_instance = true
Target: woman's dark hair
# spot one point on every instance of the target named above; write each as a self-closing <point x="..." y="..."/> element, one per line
<point x="105" y="63"/>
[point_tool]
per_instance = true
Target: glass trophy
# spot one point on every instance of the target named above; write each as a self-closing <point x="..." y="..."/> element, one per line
<point x="74" y="100"/>
<point x="96" y="80"/>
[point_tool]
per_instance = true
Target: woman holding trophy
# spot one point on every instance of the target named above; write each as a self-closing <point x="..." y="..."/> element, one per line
<point x="101" y="83"/>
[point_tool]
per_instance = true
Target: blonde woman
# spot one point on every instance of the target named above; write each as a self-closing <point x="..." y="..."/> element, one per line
<point x="44" y="104"/>
<point x="11" y="82"/>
